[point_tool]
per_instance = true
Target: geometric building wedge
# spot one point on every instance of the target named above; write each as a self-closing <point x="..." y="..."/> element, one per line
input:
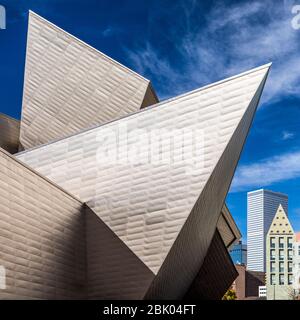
<point x="70" y="86"/>
<point x="9" y="133"/>
<point x="54" y="247"/>
<point x="199" y="228"/>
<point x="216" y="274"/>
<point x="151" y="203"/>
<point x="125" y="276"/>
<point x="227" y="228"/>
<point x="113" y="270"/>
<point x="42" y="236"/>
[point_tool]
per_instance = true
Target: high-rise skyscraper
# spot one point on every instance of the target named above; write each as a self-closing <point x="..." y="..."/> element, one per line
<point x="238" y="253"/>
<point x="261" y="208"/>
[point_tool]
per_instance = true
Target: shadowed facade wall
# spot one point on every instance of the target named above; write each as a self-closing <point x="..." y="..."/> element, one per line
<point x="227" y="228"/>
<point x="9" y="133"/>
<point x="114" y="271"/>
<point x="216" y="274"/>
<point x="42" y="236"/>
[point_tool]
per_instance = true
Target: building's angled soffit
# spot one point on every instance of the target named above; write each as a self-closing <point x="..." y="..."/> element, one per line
<point x="70" y="86"/>
<point x="227" y="228"/>
<point x="9" y="133"/>
<point x="154" y="208"/>
<point x="215" y="275"/>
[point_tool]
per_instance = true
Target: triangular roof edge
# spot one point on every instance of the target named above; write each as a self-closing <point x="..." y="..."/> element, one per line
<point x="32" y="13"/>
<point x="280" y="211"/>
<point x="265" y="66"/>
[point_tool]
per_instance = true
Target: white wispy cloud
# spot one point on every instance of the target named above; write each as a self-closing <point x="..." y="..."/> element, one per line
<point x="231" y="39"/>
<point x="107" y="32"/>
<point x="266" y="172"/>
<point x="286" y="135"/>
<point x="110" y="31"/>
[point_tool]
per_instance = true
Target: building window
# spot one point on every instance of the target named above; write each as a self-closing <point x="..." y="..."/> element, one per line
<point x="290" y="279"/>
<point x="272" y="254"/>
<point x="272" y="280"/>
<point x="290" y="242"/>
<point x="272" y="266"/>
<point x="281" y="254"/>
<point x="298" y="250"/>
<point x="281" y="242"/>
<point x="281" y="279"/>
<point x="290" y="266"/>
<point x="290" y="254"/>
<point x="281" y="266"/>
<point x="272" y="242"/>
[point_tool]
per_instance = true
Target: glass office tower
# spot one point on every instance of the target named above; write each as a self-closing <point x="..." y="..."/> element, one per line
<point x="238" y="253"/>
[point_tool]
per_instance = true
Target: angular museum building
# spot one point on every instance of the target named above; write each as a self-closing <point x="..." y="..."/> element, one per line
<point x="107" y="193"/>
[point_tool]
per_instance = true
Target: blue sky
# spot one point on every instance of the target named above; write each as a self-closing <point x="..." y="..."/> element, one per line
<point x="181" y="45"/>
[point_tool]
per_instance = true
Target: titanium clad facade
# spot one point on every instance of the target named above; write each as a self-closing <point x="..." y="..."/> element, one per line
<point x="202" y="217"/>
<point x="113" y="270"/>
<point x="227" y="228"/>
<point x="124" y="203"/>
<point x="147" y="204"/>
<point x="42" y="236"/>
<point x="70" y="86"/>
<point x="261" y="208"/>
<point x="216" y="274"/>
<point x="228" y="231"/>
<point x="9" y="133"/>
